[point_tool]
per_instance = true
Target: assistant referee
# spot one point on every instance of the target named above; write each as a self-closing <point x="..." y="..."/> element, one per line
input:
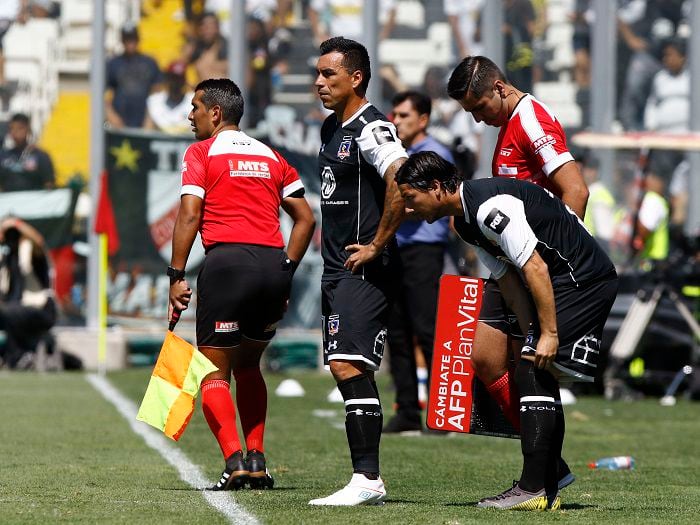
<point x="232" y="188"/>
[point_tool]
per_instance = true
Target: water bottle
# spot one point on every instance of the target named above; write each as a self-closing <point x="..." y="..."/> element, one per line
<point x="614" y="463"/>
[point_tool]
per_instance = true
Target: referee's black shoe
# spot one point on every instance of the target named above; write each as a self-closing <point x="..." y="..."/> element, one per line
<point x="258" y="475"/>
<point x="235" y="475"/>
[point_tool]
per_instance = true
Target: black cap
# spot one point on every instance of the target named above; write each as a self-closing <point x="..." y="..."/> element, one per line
<point x="130" y="31"/>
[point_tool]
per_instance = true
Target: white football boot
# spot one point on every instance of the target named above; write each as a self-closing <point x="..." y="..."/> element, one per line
<point x="360" y="491"/>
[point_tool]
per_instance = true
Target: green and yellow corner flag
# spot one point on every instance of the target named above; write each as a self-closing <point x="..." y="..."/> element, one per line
<point x="168" y="403"/>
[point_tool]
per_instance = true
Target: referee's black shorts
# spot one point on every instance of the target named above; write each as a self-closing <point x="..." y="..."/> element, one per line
<point x="495" y="313"/>
<point x="581" y="316"/>
<point x="242" y="290"/>
<point x="354" y="316"/>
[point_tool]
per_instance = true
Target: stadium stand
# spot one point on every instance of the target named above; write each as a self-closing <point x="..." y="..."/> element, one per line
<point x="76" y="31"/>
<point x="30" y="61"/>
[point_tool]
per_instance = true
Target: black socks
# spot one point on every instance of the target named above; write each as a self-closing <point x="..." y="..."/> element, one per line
<point x="541" y="427"/>
<point x="363" y="423"/>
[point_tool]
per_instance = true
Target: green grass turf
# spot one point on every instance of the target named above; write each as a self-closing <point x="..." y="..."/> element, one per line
<point x="68" y="456"/>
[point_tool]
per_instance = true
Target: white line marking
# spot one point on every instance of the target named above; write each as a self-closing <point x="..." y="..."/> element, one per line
<point x="189" y="472"/>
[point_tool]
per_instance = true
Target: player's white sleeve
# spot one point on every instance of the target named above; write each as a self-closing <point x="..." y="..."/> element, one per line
<point x="291" y="188"/>
<point x="380" y="145"/>
<point x="192" y="173"/>
<point x="497" y="267"/>
<point x="502" y="220"/>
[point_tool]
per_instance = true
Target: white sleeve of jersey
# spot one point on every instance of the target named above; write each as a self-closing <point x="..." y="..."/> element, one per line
<point x="380" y="145"/>
<point x="502" y="220"/>
<point x="496" y="267"/>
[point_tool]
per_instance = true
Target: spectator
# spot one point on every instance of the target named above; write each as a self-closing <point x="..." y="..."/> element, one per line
<point x="651" y="234"/>
<point x="258" y="82"/>
<point x="642" y="27"/>
<point x="10" y="11"/>
<point x="668" y="106"/>
<point x="208" y="51"/>
<point x="421" y="257"/>
<point x="392" y="84"/>
<point x="463" y="17"/>
<point x="273" y="17"/>
<point x="678" y="199"/>
<point x="131" y="77"/>
<point x="168" y="109"/>
<point x="601" y="214"/>
<point x="24" y="166"/>
<point x="344" y="18"/>
<point x="273" y="13"/>
<point x="582" y="18"/>
<point x="43" y="9"/>
<point x="27" y="307"/>
<point x="192" y="9"/>
<point x="450" y="124"/>
<point x="519" y="28"/>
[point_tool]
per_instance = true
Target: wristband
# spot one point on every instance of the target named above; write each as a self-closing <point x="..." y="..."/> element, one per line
<point x="175" y="274"/>
<point x="289" y="264"/>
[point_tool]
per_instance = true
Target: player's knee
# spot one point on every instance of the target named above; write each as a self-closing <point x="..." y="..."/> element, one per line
<point x="489" y="365"/>
<point x="343" y="370"/>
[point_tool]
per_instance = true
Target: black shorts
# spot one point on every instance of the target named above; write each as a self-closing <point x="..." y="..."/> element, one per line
<point x="495" y="313"/>
<point x="581" y="316"/>
<point x="354" y="316"/>
<point x="242" y="290"/>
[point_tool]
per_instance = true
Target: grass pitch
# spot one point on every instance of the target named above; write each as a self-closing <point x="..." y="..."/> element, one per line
<point x="67" y="456"/>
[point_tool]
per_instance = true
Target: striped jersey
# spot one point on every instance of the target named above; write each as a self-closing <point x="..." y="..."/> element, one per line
<point x="506" y="220"/>
<point x="242" y="183"/>
<point x="353" y="159"/>
<point x="531" y="145"/>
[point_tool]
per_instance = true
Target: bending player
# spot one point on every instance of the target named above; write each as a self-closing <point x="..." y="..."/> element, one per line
<point x="531" y="146"/>
<point x="552" y="274"/>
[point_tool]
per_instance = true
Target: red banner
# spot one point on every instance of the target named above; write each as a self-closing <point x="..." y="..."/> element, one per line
<point x="450" y="401"/>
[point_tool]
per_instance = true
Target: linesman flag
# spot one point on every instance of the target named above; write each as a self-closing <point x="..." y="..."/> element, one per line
<point x="168" y="403"/>
<point x="105" y="222"/>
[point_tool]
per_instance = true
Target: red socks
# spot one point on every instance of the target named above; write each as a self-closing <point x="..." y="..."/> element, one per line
<point x="251" y="398"/>
<point x="220" y="414"/>
<point x="504" y="392"/>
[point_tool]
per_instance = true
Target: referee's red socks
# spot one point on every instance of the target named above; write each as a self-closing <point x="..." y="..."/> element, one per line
<point x="503" y="390"/>
<point x="251" y="399"/>
<point x="220" y="414"/>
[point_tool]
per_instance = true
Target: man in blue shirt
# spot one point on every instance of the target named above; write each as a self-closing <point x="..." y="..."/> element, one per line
<point x="131" y="77"/>
<point x="421" y="251"/>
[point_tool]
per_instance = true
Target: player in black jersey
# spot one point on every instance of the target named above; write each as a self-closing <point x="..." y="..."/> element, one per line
<point x="361" y="209"/>
<point x="552" y="274"/>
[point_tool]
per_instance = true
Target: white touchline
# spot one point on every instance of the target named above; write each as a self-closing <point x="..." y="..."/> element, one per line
<point x="189" y="472"/>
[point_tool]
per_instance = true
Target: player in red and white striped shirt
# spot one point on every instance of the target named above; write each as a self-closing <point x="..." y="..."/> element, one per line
<point x="531" y="146"/>
<point x="232" y="189"/>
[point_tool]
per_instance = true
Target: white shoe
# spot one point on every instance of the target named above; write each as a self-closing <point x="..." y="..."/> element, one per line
<point x="360" y="491"/>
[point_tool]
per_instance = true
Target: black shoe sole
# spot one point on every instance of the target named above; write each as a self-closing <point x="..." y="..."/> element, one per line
<point x="235" y="482"/>
<point x="261" y="482"/>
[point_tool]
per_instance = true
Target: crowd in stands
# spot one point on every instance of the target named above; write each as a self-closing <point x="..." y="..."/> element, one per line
<point x="653" y="85"/>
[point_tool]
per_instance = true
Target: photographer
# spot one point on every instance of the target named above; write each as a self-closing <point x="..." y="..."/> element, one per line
<point x="27" y="307"/>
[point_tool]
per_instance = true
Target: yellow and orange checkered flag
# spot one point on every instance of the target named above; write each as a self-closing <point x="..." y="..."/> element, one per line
<point x="168" y="403"/>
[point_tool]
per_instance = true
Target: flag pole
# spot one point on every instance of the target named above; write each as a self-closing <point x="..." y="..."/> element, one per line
<point x="102" y="313"/>
<point x="97" y="152"/>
